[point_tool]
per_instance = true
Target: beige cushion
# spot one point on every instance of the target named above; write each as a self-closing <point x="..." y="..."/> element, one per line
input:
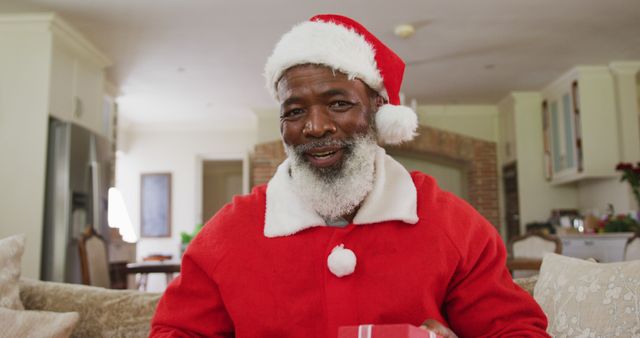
<point x="37" y="324"/>
<point x="11" y="249"/>
<point x="586" y="299"/>
<point x="103" y="312"/>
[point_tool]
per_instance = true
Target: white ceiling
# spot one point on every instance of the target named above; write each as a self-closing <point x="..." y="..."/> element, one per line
<point x="200" y="61"/>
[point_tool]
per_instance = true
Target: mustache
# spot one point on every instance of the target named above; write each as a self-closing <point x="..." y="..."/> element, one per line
<point x="324" y="142"/>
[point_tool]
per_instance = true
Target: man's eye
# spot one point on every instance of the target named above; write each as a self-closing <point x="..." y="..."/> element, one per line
<point x="292" y="112"/>
<point x="341" y="105"/>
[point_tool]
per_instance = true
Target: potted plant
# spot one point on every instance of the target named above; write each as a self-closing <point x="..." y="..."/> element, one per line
<point x="186" y="237"/>
<point x="631" y="174"/>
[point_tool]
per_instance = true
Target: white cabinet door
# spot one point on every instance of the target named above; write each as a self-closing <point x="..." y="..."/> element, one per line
<point x="61" y="83"/>
<point x="581" y="134"/>
<point x="76" y="89"/>
<point x="88" y="94"/>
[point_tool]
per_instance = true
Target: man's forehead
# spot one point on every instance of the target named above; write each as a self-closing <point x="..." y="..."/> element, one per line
<point x="338" y="75"/>
<point x="312" y="67"/>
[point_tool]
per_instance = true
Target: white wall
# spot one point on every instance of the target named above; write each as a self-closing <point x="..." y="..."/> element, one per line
<point x="179" y="152"/>
<point x="479" y="121"/>
<point x="450" y="177"/>
<point x="24" y="80"/>
<point x="268" y="124"/>
<point x="594" y="196"/>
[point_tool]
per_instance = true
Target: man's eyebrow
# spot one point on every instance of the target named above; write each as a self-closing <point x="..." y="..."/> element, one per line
<point x="328" y="93"/>
<point x="333" y="92"/>
<point x="291" y="100"/>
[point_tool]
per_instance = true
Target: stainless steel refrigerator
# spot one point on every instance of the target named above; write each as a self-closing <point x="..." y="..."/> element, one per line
<point x="78" y="177"/>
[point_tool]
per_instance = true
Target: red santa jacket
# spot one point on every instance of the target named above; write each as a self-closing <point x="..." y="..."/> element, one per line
<point x="449" y="266"/>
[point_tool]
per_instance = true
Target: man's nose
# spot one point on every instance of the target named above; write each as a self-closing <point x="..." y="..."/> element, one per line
<point x="319" y="123"/>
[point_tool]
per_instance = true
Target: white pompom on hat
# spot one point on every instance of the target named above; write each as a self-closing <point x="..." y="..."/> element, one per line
<point x="345" y="45"/>
<point x="341" y="261"/>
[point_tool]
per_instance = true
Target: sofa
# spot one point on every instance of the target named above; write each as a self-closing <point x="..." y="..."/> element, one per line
<point x="580" y="298"/>
<point x="110" y="313"/>
<point x="103" y="312"/>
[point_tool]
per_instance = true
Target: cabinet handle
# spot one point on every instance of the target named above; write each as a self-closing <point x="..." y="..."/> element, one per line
<point x="77" y="107"/>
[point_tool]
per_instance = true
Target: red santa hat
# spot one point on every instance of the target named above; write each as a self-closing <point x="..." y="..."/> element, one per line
<point x="345" y="45"/>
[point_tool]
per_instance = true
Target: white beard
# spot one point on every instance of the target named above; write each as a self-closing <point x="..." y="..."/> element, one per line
<point x="338" y="190"/>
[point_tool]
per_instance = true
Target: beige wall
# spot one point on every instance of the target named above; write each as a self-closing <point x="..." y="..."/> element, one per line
<point x="479" y="121"/>
<point x="268" y="124"/>
<point x="24" y="80"/>
<point x="450" y="177"/>
<point x="181" y="153"/>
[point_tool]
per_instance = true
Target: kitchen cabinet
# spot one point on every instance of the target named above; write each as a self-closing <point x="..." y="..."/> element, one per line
<point x="77" y="78"/>
<point x="604" y="247"/>
<point x="580" y="126"/>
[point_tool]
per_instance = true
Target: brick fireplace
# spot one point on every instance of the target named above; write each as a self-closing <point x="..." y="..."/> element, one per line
<point x="476" y="157"/>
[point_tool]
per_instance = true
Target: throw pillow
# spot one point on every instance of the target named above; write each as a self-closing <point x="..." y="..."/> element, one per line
<point x="11" y="249"/>
<point x="587" y="299"/>
<point x="37" y="324"/>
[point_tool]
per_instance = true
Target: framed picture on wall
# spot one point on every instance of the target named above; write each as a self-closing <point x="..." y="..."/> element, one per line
<point x="155" y="205"/>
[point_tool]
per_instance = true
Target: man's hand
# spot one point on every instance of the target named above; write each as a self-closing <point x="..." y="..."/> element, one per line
<point x="437" y="328"/>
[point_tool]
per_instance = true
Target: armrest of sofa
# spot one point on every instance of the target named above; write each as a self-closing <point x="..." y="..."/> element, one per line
<point x="527" y="283"/>
<point x="103" y="312"/>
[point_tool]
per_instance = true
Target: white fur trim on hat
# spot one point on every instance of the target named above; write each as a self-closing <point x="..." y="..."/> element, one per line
<point x="341" y="261"/>
<point x="396" y="124"/>
<point x="324" y="43"/>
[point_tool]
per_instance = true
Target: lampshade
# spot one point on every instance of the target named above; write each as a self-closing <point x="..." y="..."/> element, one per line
<point x="118" y="217"/>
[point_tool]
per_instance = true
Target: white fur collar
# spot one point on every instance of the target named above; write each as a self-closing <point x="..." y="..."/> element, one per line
<point x="393" y="197"/>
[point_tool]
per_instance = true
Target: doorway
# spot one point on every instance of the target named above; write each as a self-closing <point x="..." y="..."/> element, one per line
<point x="221" y="180"/>
<point x="512" y="203"/>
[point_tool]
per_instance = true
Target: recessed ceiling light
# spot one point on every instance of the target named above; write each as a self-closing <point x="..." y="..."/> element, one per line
<point x="404" y="31"/>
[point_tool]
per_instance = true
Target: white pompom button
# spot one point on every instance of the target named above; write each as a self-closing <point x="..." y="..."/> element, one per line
<point x="341" y="261"/>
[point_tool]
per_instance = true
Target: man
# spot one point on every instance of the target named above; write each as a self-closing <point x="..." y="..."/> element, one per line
<point x="343" y="234"/>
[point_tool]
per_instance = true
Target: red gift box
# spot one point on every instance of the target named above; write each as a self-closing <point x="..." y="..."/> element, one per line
<point x="385" y="331"/>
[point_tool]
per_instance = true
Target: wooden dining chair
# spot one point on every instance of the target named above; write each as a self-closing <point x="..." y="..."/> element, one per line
<point x="94" y="261"/>
<point x="632" y="248"/>
<point x="526" y="252"/>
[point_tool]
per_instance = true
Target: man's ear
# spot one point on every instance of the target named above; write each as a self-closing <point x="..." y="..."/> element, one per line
<point x="380" y="101"/>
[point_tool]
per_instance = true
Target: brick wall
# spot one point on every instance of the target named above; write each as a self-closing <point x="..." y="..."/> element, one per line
<point x="477" y="158"/>
<point x="265" y="160"/>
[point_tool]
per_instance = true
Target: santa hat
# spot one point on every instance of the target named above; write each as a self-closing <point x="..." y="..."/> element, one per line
<point x="345" y="45"/>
